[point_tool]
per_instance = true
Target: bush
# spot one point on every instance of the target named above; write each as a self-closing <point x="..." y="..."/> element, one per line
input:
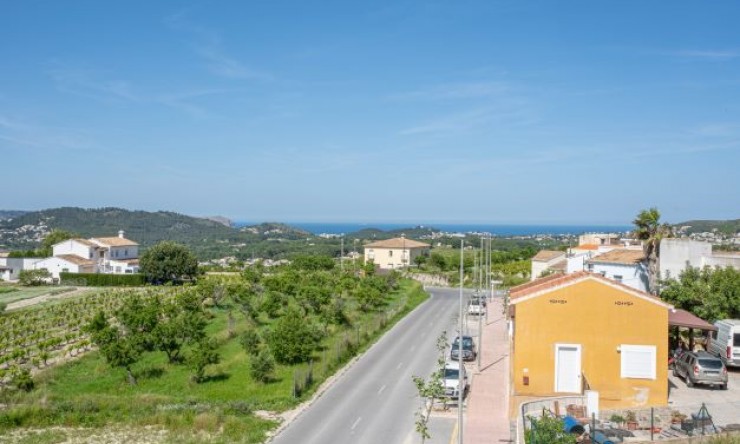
<point x="22" y="380"/>
<point x="102" y="279"/>
<point x="3" y="306"/>
<point x="250" y="341"/>
<point x="262" y="366"/>
<point x="293" y="339"/>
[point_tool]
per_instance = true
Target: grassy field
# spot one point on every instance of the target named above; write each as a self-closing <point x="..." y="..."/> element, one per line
<point x="86" y="395"/>
<point x="10" y="294"/>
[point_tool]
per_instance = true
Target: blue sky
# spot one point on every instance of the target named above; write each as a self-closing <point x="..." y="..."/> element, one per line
<point x="398" y="111"/>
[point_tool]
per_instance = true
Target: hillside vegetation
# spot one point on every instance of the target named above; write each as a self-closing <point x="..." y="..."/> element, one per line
<point x="702" y="226"/>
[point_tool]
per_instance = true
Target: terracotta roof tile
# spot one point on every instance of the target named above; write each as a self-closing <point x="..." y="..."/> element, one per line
<point x="75" y="259"/>
<point x="397" y="242"/>
<point x="587" y="247"/>
<point x="547" y="255"/>
<point x="559" y="280"/>
<point x="113" y="241"/>
<point x="620" y="256"/>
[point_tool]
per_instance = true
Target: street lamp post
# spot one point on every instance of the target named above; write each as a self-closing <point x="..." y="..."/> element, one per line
<point x="461" y="379"/>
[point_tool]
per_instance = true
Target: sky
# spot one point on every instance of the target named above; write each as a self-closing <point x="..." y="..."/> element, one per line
<point x="383" y="111"/>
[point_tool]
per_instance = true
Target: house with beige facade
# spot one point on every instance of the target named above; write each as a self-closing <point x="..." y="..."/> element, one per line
<point x="394" y="253"/>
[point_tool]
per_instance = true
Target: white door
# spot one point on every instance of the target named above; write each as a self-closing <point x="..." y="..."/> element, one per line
<point x="567" y="368"/>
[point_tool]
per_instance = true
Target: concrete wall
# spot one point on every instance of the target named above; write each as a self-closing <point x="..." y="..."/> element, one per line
<point x="73" y="247"/>
<point x="722" y="260"/>
<point x="677" y="254"/>
<point x="634" y="276"/>
<point x="600" y="318"/>
<point x="19" y="264"/>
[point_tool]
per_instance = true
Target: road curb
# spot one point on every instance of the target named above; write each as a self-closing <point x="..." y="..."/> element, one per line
<point x="323" y="388"/>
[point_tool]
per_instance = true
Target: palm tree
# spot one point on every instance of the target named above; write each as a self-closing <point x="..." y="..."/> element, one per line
<point x="650" y="231"/>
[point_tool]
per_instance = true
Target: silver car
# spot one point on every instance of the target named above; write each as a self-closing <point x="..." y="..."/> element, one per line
<point x="701" y="368"/>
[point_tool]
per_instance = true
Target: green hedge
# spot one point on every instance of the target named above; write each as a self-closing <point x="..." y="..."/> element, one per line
<point x="102" y="279"/>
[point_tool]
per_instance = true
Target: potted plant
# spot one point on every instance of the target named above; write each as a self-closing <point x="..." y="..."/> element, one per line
<point x="617" y="419"/>
<point x="631" y="419"/>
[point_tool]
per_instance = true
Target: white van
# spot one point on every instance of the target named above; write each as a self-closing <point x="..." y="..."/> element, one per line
<point x="725" y="342"/>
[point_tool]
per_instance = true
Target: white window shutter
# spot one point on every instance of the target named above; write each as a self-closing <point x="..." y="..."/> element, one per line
<point x="638" y="361"/>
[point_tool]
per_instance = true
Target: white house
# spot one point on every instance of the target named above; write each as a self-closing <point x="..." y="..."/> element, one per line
<point x="547" y="260"/>
<point x="14" y="266"/>
<point x="626" y="266"/>
<point x="116" y="255"/>
<point x="66" y="263"/>
<point x="393" y="253"/>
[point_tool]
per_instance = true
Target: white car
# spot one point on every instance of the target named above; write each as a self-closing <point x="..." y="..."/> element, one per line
<point x="476" y="309"/>
<point x="451" y="379"/>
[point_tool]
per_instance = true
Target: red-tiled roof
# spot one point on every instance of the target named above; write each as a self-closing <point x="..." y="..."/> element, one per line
<point x="547" y="255"/>
<point x="620" y="256"/>
<point x="75" y="259"/>
<point x="587" y="247"/>
<point x="682" y="318"/>
<point x="114" y="241"/>
<point x="558" y="280"/>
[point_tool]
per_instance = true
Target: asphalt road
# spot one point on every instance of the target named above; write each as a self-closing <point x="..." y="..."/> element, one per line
<point x="375" y="400"/>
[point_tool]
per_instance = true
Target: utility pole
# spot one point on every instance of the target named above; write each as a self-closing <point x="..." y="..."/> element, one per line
<point x="460" y="379"/>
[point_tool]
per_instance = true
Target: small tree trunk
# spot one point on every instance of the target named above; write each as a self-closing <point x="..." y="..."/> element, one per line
<point x="130" y="376"/>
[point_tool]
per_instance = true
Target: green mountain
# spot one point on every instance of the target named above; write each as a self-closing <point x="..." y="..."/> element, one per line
<point x="207" y="238"/>
<point x="729" y="227"/>
<point x="9" y="214"/>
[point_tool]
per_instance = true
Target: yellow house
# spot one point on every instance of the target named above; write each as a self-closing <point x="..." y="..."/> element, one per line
<point x="581" y="332"/>
<point x="398" y="252"/>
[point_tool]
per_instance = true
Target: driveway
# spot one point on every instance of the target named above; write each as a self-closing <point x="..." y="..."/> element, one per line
<point x="723" y="405"/>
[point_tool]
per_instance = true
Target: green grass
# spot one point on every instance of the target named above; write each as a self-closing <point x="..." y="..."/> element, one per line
<point x="89" y="393"/>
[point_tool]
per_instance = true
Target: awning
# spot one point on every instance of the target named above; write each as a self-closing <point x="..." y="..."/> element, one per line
<point x="682" y="318"/>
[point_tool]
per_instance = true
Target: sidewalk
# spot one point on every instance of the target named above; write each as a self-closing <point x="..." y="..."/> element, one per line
<point x="487" y="419"/>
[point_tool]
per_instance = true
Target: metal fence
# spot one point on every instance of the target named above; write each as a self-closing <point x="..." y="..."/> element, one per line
<point x="634" y="424"/>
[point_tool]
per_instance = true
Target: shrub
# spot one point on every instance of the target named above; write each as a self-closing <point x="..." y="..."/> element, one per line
<point x="250" y="341"/>
<point x="262" y="366"/>
<point x="292" y="339"/>
<point x="22" y="380"/>
<point x="102" y="279"/>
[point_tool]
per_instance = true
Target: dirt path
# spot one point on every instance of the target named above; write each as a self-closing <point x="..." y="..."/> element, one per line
<point x="23" y="303"/>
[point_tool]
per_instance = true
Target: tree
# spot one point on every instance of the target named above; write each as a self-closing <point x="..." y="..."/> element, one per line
<point x="168" y="262"/>
<point x="293" y="339"/>
<point x="430" y="390"/>
<point x="262" y="366"/>
<point x="250" y="341"/>
<point x="3" y="306"/>
<point x="203" y="354"/>
<point x="119" y="350"/>
<point x="312" y="263"/>
<point x="34" y="277"/>
<point x="709" y="293"/>
<point x="650" y="231"/>
<point x="420" y="260"/>
<point x="547" y="429"/>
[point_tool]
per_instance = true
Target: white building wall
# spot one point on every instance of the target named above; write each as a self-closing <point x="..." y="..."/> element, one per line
<point x="722" y="260"/>
<point x="17" y="264"/>
<point x="57" y="265"/>
<point x="677" y="254"/>
<point x="634" y="276"/>
<point x="73" y="247"/>
<point x="538" y="267"/>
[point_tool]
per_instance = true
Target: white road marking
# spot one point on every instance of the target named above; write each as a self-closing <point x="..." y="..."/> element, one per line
<point x="357" y="421"/>
<point x="381" y="389"/>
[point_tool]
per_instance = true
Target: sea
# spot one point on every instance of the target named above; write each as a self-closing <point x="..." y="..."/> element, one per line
<point x="498" y="230"/>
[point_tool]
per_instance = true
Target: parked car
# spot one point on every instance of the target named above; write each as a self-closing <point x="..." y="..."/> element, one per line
<point x="725" y="342"/>
<point x="476" y="309"/>
<point x="468" y="349"/>
<point x="701" y="368"/>
<point x="451" y="379"/>
<point x="479" y="298"/>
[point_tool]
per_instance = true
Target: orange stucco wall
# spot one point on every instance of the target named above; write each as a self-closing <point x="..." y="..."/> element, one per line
<point x="600" y="318"/>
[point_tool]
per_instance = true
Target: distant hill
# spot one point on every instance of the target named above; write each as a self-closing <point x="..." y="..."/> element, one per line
<point x="206" y="237"/>
<point x="702" y="226"/>
<point x="9" y="214"/>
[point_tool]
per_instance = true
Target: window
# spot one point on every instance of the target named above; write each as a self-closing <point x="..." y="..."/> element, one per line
<point x="390" y="253"/>
<point x="603" y="273"/>
<point x="638" y="361"/>
<point x="618" y="277"/>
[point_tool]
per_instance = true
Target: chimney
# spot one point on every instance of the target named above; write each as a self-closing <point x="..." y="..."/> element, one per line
<point x="120" y="234"/>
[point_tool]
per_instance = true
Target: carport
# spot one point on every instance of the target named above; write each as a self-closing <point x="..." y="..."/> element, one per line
<point x="681" y="319"/>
